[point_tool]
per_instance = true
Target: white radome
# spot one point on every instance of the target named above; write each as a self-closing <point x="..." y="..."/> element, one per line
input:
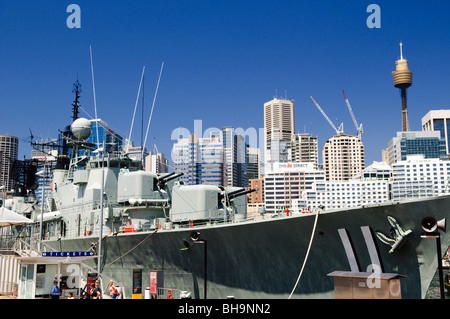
<point x="81" y="128"/>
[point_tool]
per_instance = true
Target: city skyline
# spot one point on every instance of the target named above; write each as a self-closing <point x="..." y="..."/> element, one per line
<point x="222" y="62"/>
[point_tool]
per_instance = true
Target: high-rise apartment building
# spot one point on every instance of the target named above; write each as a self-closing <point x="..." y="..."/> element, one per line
<point x="156" y="163"/>
<point x="438" y="120"/>
<point x="343" y="157"/>
<point x="279" y="128"/>
<point x="9" y="149"/>
<point x="428" y="143"/>
<point x="304" y="149"/>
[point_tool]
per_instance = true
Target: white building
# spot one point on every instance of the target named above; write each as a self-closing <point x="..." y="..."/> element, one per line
<point x="418" y="176"/>
<point x="415" y="177"/>
<point x="286" y="182"/>
<point x="352" y="193"/>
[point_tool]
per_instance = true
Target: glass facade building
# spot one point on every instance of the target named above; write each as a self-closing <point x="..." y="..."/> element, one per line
<point x="113" y="141"/>
<point x="438" y="120"/>
<point x="200" y="160"/>
<point x="9" y="148"/>
<point x="430" y="144"/>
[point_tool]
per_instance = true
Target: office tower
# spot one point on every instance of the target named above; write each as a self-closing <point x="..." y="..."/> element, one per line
<point x="286" y="182"/>
<point x="235" y="159"/>
<point x="304" y="149"/>
<point x="438" y="120"/>
<point x="253" y="160"/>
<point x="113" y="141"/>
<point x="9" y="148"/>
<point x="428" y="143"/>
<point x="201" y="160"/>
<point x="343" y="157"/>
<point x="279" y="128"/>
<point x="402" y="77"/>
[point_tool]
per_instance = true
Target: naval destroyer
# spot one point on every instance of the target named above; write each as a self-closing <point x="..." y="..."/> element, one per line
<point x="151" y="222"/>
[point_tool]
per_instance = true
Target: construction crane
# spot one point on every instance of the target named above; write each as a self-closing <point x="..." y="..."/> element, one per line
<point x="359" y="128"/>
<point x="339" y="130"/>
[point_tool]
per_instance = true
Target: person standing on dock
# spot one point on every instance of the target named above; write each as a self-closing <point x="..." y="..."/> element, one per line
<point x="97" y="293"/>
<point x="113" y="290"/>
<point x="55" y="293"/>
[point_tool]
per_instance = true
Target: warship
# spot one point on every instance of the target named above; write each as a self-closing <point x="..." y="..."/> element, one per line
<point x="153" y="222"/>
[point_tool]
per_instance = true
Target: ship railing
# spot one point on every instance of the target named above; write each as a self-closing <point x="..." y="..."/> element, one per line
<point x="7" y="243"/>
<point x="24" y="246"/>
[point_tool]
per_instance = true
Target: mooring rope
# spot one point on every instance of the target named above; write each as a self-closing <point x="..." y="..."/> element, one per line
<point x="307" y="253"/>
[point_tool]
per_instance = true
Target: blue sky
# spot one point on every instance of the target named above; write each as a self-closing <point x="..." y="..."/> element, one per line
<point x="222" y="61"/>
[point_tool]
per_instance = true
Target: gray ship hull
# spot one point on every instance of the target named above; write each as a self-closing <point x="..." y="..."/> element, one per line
<point x="263" y="259"/>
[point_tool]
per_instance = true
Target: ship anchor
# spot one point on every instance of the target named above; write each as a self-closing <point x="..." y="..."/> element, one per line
<point x="398" y="233"/>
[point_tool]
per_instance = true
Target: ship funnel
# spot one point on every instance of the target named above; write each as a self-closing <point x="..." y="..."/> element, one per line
<point x="429" y="224"/>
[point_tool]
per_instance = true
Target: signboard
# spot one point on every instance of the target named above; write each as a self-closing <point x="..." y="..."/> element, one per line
<point x="137" y="284"/>
<point x="67" y="253"/>
<point x="156" y="280"/>
<point x="286" y="167"/>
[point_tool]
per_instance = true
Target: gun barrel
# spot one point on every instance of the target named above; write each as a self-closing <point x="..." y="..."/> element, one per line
<point x="242" y="192"/>
<point x="160" y="178"/>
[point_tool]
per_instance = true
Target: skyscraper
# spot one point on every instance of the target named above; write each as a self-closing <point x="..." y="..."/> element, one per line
<point x="428" y="143"/>
<point x="9" y="148"/>
<point x="201" y="160"/>
<point x="235" y="159"/>
<point x="304" y="149"/>
<point x="156" y="163"/>
<point x="343" y="157"/>
<point x="253" y="159"/>
<point x="279" y="128"/>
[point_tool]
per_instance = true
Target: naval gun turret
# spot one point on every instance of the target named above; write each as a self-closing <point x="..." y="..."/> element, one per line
<point x="208" y="203"/>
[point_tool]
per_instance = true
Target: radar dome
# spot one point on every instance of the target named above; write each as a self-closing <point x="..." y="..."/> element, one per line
<point x="81" y="128"/>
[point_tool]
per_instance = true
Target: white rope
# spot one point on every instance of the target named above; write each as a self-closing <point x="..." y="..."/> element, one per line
<point x="307" y="253"/>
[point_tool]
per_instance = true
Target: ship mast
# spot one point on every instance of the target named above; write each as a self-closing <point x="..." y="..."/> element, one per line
<point x="77" y="90"/>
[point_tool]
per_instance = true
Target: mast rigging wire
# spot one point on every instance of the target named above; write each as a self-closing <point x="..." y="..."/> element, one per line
<point x="151" y="113"/>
